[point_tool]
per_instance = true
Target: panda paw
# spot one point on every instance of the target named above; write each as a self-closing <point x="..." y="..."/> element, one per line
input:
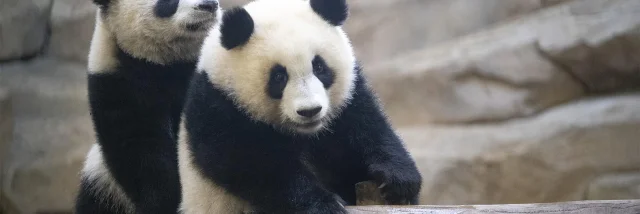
<point x="398" y="185"/>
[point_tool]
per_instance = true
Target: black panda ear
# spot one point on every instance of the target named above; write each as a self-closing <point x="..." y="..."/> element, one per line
<point x="236" y="28"/>
<point x="102" y="3"/>
<point x="333" y="11"/>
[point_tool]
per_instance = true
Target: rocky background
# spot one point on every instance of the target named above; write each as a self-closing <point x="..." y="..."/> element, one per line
<point x="499" y="101"/>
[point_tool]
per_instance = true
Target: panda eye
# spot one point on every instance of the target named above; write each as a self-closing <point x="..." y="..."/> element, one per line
<point x="318" y="65"/>
<point x="277" y="81"/>
<point x="280" y="76"/>
<point x="322" y="71"/>
<point x="318" y="68"/>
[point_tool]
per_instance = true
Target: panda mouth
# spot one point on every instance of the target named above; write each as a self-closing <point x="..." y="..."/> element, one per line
<point x="199" y="26"/>
<point x="309" y="126"/>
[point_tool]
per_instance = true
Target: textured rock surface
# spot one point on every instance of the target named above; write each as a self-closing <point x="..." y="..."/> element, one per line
<point x="52" y="133"/>
<point x="605" y="53"/>
<point x="551" y="157"/>
<point x="518" y="68"/>
<point x="6" y="124"/>
<point x="407" y="25"/>
<point x="5" y="136"/>
<point x="71" y="29"/>
<point x="615" y="186"/>
<point x="404" y="25"/>
<point x="6" y="130"/>
<point x="23" y="27"/>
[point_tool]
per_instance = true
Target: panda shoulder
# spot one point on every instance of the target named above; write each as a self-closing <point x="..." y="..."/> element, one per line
<point x="103" y="49"/>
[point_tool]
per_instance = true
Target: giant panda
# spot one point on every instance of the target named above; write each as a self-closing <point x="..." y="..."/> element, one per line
<point x="279" y="117"/>
<point x="141" y="58"/>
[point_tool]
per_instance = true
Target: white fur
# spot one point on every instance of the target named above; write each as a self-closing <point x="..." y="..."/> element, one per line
<point x="102" y="54"/>
<point x="304" y="92"/>
<point x="103" y="184"/>
<point x="132" y="25"/>
<point x="199" y="194"/>
<point x="290" y="33"/>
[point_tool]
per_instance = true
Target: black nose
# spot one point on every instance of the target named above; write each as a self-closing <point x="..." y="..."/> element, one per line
<point x="309" y="112"/>
<point x="209" y="6"/>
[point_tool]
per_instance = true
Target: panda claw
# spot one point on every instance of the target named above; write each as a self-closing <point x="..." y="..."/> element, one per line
<point x="382" y="185"/>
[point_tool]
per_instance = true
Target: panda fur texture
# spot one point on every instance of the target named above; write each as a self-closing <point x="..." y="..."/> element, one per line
<point x="142" y="56"/>
<point x="280" y="119"/>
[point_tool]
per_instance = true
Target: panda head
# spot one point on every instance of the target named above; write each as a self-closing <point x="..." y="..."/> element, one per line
<point x="159" y="30"/>
<point x="287" y="63"/>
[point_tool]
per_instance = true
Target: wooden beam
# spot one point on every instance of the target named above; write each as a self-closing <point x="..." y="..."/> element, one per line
<point x="369" y="201"/>
<point x="576" y="207"/>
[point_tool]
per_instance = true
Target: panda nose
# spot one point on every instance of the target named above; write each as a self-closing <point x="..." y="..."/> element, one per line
<point x="309" y="112"/>
<point x="208" y="5"/>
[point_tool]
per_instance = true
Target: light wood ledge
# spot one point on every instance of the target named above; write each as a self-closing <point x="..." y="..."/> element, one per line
<point x="369" y="201"/>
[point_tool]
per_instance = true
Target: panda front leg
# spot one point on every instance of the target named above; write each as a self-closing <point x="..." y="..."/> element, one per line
<point x="390" y="164"/>
<point x="366" y="128"/>
<point x="397" y="176"/>
<point x="270" y="181"/>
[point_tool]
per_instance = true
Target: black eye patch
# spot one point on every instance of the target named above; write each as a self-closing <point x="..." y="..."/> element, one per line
<point x="166" y="8"/>
<point x="322" y="71"/>
<point x="277" y="81"/>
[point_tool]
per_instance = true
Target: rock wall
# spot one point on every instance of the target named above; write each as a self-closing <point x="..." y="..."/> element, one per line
<point x="554" y="156"/>
<point x="518" y="68"/>
<point x="52" y="133"/>
<point x="6" y="136"/>
<point x="23" y="28"/>
<point x="71" y="19"/>
<point x="6" y="124"/>
<point x="499" y="101"/>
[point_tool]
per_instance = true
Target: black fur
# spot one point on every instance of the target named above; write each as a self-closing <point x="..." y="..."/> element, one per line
<point x="89" y="201"/>
<point x="323" y="72"/>
<point x="267" y="167"/>
<point x="236" y="28"/>
<point x="333" y="11"/>
<point x="103" y="4"/>
<point x="136" y="113"/>
<point x="165" y="8"/>
<point x="277" y="81"/>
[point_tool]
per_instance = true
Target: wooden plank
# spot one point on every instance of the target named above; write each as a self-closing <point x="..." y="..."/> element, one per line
<point x="576" y="207"/>
<point x="370" y="201"/>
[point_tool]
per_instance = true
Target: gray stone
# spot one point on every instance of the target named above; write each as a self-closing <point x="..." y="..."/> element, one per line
<point x="615" y="186"/>
<point x="402" y="26"/>
<point x="551" y="157"/>
<point x="516" y="69"/>
<point x="23" y="27"/>
<point x="6" y="124"/>
<point x="6" y="133"/>
<point x="52" y="135"/>
<point x="72" y="23"/>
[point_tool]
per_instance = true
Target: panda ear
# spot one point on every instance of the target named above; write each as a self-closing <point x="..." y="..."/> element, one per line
<point x="236" y="28"/>
<point x="102" y="3"/>
<point x="333" y="11"/>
